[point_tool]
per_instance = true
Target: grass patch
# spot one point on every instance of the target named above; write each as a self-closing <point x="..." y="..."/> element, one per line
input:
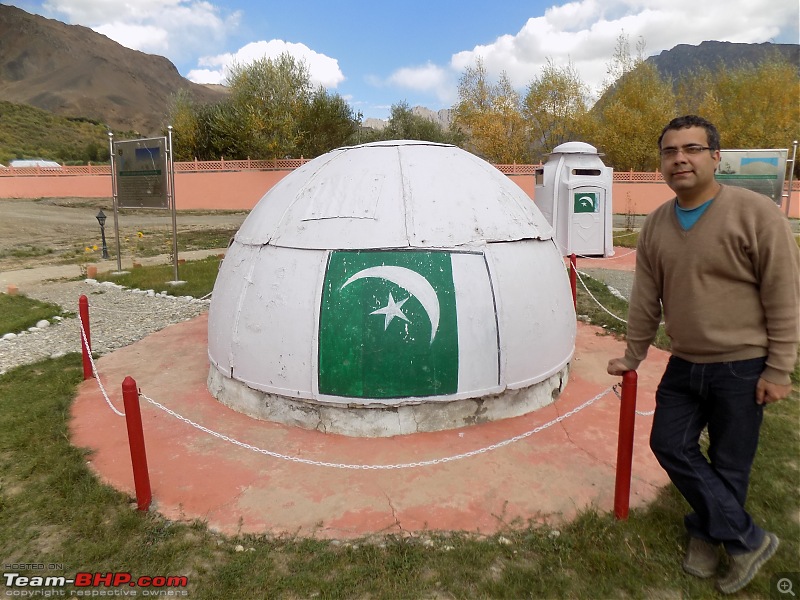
<point x="54" y="510"/>
<point x="199" y="276"/>
<point x="20" y="312"/>
<point x="625" y="238"/>
<point x="26" y="251"/>
<point x="589" y="310"/>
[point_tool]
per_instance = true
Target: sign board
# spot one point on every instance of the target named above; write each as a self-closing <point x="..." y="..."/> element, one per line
<point x="142" y="173"/>
<point x="762" y="171"/>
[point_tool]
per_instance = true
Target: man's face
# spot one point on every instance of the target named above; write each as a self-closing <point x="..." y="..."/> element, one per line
<point x="688" y="173"/>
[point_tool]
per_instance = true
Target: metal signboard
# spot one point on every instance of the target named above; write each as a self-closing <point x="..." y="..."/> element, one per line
<point x="762" y="171"/>
<point x="142" y="173"/>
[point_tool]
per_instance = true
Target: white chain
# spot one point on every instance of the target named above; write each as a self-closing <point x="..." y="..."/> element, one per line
<point x="638" y="412"/>
<point x="94" y="370"/>
<point x="595" y="299"/>
<point x="425" y="463"/>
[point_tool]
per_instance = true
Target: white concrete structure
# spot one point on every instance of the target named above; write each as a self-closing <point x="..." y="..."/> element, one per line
<point x="391" y="288"/>
<point x="573" y="192"/>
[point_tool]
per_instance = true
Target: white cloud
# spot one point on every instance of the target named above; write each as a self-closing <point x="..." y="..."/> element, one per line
<point x="428" y="78"/>
<point x="585" y="33"/>
<point x="177" y="29"/>
<point x="323" y="69"/>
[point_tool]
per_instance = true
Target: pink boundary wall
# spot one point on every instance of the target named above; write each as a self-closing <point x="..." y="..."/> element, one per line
<point x="241" y="190"/>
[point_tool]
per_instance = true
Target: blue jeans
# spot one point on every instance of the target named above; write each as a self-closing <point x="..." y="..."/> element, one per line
<point x="721" y="396"/>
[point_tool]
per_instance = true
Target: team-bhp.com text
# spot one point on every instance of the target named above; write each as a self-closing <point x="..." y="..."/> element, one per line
<point x="94" y="585"/>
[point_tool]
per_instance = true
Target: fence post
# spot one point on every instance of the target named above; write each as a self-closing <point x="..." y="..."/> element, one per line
<point x="86" y="336"/>
<point x="133" y="419"/>
<point x="627" y="416"/>
<point x="573" y="279"/>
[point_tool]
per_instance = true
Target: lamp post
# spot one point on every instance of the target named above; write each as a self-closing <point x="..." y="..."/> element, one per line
<point x="101" y="218"/>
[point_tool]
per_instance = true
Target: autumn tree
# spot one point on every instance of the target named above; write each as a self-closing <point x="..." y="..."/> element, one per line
<point x="636" y="104"/>
<point x="490" y="115"/>
<point x="753" y="106"/>
<point x="555" y="108"/>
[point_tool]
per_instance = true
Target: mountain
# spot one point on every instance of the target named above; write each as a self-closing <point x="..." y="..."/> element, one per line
<point x="441" y="117"/>
<point x="75" y="72"/>
<point x="683" y="58"/>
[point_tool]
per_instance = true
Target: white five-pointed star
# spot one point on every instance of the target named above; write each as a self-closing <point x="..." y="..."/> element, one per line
<point x="391" y="310"/>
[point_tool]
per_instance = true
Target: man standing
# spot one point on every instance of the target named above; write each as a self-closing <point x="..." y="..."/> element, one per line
<point x="722" y="264"/>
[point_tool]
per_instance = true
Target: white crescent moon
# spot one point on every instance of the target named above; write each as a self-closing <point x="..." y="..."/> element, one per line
<point x="411" y="281"/>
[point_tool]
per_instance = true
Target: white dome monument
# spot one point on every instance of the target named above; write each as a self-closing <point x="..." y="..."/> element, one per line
<point x="391" y="288"/>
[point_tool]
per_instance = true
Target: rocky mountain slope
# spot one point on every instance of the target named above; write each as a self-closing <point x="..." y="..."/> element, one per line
<point x="73" y="71"/>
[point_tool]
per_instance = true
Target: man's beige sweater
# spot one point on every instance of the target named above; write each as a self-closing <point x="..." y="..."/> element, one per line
<point x="729" y="286"/>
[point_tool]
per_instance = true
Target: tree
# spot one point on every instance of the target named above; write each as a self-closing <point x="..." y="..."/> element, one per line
<point x="327" y="122"/>
<point x="753" y="106"/>
<point x="632" y="111"/>
<point x="555" y="108"/>
<point x="404" y="124"/>
<point x="490" y="116"/>
<point x="183" y="116"/>
<point x="270" y="96"/>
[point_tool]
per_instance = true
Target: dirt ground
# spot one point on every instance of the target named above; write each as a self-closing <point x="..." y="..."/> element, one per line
<point x="56" y="230"/>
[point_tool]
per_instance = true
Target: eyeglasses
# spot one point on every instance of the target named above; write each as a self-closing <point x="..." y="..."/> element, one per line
<point x="690" y="150"/>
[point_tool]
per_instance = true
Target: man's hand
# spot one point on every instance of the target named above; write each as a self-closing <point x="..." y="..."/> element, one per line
<point x="767" y="392"/>
<point x="616" y="366"/>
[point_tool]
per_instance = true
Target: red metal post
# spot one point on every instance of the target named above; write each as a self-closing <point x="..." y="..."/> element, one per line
<point x="133" y="419"/>
<point x="627" y="416"/>
<point x="86" y="344"/>
<point x="573" y="279"/>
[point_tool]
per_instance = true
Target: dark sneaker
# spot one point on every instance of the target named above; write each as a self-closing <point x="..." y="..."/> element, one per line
<point x="701" y="558"/>
<point x="745" y="566"/>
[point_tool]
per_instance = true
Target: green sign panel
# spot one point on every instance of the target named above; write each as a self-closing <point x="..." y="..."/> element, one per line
<point x="586" y="202"/>
<point x="388" y="326"/>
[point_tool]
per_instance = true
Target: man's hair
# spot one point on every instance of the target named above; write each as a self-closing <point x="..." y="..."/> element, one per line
<point x="693" y="121"/>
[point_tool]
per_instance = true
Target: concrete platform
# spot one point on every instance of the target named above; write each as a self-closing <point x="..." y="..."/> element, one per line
<point x="547" y="476"/>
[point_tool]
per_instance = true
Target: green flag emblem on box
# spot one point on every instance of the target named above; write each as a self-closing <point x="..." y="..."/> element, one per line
<point x="388" y="326"/>
<point x="586" y="202"/>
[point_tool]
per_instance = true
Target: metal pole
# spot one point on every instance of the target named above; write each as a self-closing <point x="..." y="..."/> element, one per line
<point x="114" y="196"/>
<point x="171" y="168"/>
<point x="791" y="177"/>
<point x="103" y="235"/>
<point x="133" y="419"/>
<point x="627" y="416"/>
<point x="86" y="336"/>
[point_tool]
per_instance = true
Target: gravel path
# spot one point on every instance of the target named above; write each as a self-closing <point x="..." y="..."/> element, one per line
<point x="118" y="317"/>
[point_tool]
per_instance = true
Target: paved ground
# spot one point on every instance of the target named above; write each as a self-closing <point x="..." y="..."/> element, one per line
<point x="546" y="477"/>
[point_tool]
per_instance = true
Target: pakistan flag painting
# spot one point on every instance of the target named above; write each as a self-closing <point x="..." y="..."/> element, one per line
<point x="388" y="325"/>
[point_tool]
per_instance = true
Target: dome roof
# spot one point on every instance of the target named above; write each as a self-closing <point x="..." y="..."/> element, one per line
<point x="392" y="195"/>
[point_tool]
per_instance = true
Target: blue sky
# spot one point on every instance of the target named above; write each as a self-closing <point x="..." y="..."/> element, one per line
<point x="376" y="53"/>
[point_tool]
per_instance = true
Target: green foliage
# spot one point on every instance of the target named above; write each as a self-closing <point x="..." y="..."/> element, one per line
<point x="31" y="133"/>
<point x="273" y="111"/>
<point x="326" y="122"/>
<point x="404" y="124"/>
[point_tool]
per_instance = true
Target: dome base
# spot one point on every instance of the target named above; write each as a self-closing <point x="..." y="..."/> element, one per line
<point x="384" y="421"/>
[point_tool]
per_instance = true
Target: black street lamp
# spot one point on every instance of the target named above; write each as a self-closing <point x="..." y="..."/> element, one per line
<point x="101" y="218"/>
